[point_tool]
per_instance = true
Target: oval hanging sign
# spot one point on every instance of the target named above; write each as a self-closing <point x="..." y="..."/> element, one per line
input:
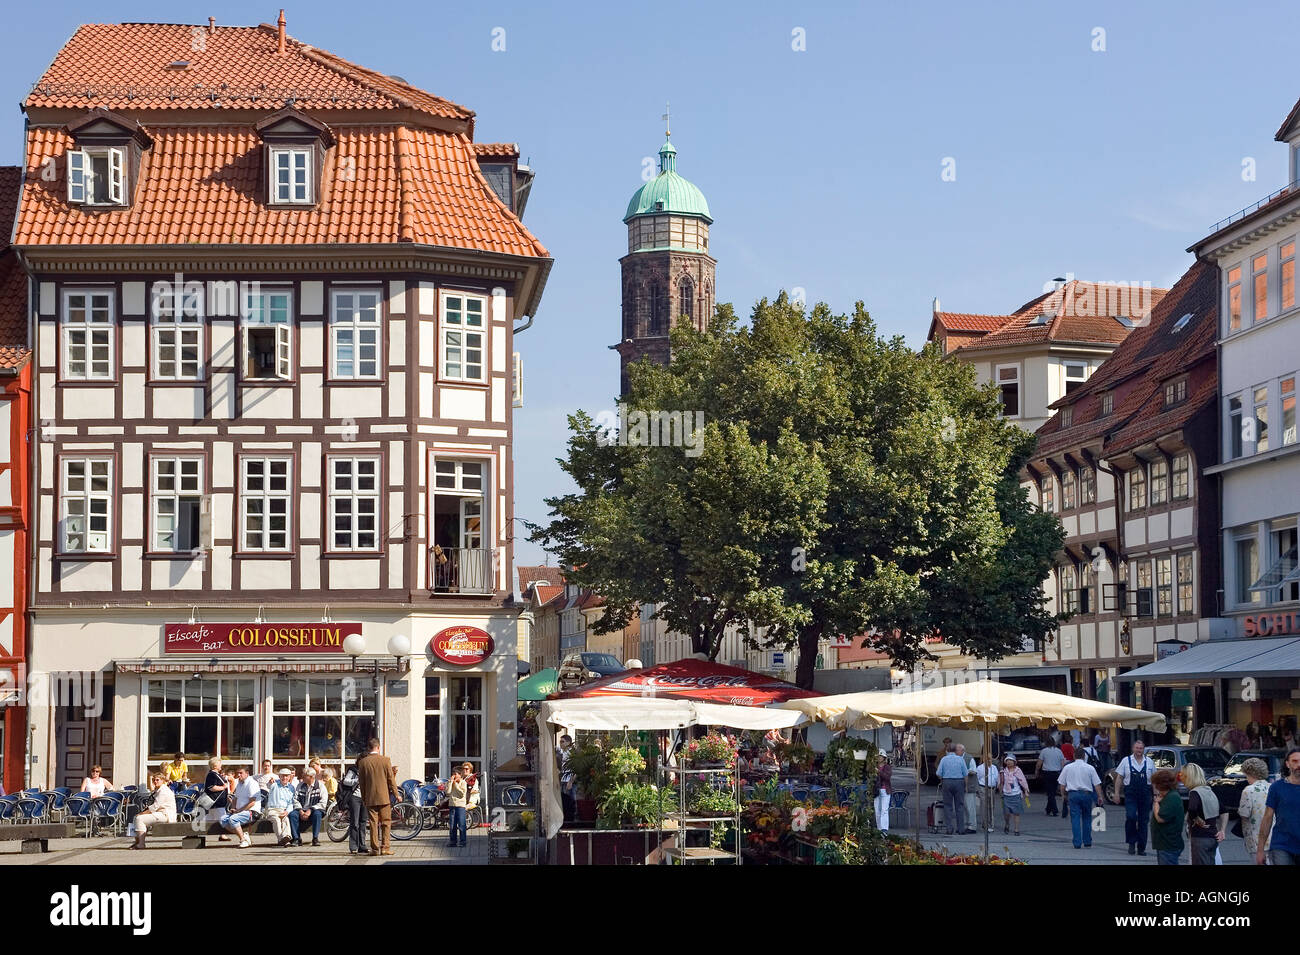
<point x="462" y="646"/>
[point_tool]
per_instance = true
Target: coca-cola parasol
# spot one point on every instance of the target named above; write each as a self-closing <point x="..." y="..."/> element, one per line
<point x="693" y="679"/>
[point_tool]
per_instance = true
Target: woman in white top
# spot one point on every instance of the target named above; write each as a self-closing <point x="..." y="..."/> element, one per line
<point x="95" y="784"/>
<point x="162" y="809"/>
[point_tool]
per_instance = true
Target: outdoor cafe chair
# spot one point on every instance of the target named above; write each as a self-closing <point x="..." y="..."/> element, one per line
<point x="77" y="809"/>
<point x="515" y="795"/>
<point x="108" y="809"/>
<point x="9" y="808"/>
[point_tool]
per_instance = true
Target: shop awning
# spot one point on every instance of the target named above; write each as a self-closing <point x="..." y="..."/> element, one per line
<point x="694" y="679"/>
<point x="538" y="686"/>
<point x="1224" y="660"/>
<point x="251" y="666"/>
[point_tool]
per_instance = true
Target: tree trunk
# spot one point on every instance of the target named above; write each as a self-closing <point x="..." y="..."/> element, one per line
<point x="808" y="638"/>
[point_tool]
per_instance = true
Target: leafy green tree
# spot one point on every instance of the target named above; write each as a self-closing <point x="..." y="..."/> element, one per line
<point x="846" y="485"/>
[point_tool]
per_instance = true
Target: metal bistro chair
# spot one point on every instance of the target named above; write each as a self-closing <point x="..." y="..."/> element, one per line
<point x="898" y="806"/>
<point x="34" y="808"/>
<point x="515" y="795"/>
<point x="77" y="809"/>
<point x="9" y="808"/>
<point x="59" y="802"/>
<point x="108" y="810"/>
<point x="185" y="810"/>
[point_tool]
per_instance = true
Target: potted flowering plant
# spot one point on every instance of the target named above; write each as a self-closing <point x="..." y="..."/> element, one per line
<point x="714" y="750"/>
<point x="799" y="756"/>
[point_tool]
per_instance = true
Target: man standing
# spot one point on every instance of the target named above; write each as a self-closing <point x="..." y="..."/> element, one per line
<point x="568" y="797"/>
<point x="972" y="788"/>
<point x="1134" y="773"/>
<point x="1101" y="742"/>
<point x="1079" y="782"/>
<point x="988" y="777"/>
<point x="952" y="779"/>
<point x="244" y="804"/>
<point x="1050" y="763"/>
<point x="350" y="798"/>
<point x="378" y="784"/>
<point x="1283" y="808"/>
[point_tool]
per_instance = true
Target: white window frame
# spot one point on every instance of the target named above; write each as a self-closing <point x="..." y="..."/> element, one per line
<point x="1088" y="483"/>
<point x="1165" y="586"/>
<point x="159" y="495"/>
<point x="352" y="325"/>
<point x="1261" y="421"/>
<point x="1158" y="481"/>
<point x="1243" y="581"/>
<point x="266" y="496"/>
<point x="296" y="189"/>
<point x="1285" y="258"/>
<point x="85" y="330"/>
<point x="1069" y="490"/>
<point x="1069" y="585"/>
<point x="1107" y="403"/>
<point x="458" y="488"/>
<point x="1289" y="434"/>
<point x="82" y="178"/>
<point x="355" y="497"/>
<point x="1235" y="442"/>
<point x="1186" y="470"/>
<point x="1255" y="275"/>
<point x="1080" y="366"/>
<point x="1230" y="286"/>
<point x="1047" y="494"/>
<point x="185" y="321"/>
<point x="448" y="331"/>
<point x="1181" y="607"/>
<point x="1137" y="486"/>
<point x="282" y="361"/>
<point x="87" y="496"/>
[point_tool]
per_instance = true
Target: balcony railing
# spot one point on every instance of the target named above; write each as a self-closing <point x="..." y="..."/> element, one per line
<point x="462" y="570"/>
<point x="1253" y="207"/>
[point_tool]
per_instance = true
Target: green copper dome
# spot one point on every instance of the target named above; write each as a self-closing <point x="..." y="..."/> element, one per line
<point x="668" y="193"/>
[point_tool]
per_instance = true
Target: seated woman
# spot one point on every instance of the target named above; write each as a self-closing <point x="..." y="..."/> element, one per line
<point x="217" y="787"/>
<point x="95" y="784"/>
<point x="162" y="809"/>
<point x="176" y="771"/>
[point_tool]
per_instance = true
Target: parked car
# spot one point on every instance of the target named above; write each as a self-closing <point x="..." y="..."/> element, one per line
<point x="1230" y="785"/>
<point x="1212" y="759"/>
<point x="585" y="666"/>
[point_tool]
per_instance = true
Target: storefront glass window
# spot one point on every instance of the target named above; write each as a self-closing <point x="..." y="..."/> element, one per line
<point x="432" y="727"/>
<point x="467" y="720"/>
<point x="1247" y="571"/>
<point x="330" y="719"/>
<point x="200" y="718"/>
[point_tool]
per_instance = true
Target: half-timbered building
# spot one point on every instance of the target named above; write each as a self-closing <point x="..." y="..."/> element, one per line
<point x="275" y="295"/>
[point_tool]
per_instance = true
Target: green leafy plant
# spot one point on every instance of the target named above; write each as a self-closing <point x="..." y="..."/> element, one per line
<point x="841" y="762"/>
<point x="800" y="756"/>
<point x="627" y="805"/>
<point x="622" y="762"/>
<point x="707" y="800"/>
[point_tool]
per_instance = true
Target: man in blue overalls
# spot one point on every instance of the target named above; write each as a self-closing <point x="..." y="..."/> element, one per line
<point x="1134" y="772"/>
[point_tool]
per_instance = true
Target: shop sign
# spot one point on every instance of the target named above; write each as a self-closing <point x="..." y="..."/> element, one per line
<point x="1167" y="648"/>
<point x="462" y="646"/>
<point x="217" y="638"/>
<point x="1270" y="624"/>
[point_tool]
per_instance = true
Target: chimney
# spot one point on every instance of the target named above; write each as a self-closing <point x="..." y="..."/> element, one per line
<point x="280" y="24"/>
<point x="212" y="25"/>
<point x="934" y="306"/>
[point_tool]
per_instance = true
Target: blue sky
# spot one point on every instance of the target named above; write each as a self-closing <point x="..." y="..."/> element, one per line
<point x="821" y="166"/>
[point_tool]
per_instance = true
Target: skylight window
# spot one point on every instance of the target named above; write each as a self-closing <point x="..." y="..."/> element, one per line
<point x="1124" y="320"/>
<point x="1042" y="319"/>
<point x="1182" y="322"/>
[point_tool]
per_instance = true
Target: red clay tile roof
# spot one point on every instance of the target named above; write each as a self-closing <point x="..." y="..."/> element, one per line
<point x="1077" y="312"/>
<point x="13" y="278"/>
<point x="126" y="66"/>
<point x="546" y="593"/>
<point x="496" y="150"/>
<point x="543" y="573"/>
<point x="204" y="184"/>
<point x="1137" y="370"/>
<point x="968" y="322"/>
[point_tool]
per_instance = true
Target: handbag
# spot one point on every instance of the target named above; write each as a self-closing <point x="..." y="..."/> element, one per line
<point x="204" y="802"/>
<point x="1236" y="829"/>
<point x="1026" y="799"/>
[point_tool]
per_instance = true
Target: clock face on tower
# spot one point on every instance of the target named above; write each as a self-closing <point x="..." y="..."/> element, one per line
<point x="668" y="274"/>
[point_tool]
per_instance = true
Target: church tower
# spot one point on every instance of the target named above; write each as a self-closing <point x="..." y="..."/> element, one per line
<point x="668" y="274"/>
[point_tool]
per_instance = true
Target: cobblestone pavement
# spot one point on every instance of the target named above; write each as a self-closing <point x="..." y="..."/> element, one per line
<point x="424" y="849"/>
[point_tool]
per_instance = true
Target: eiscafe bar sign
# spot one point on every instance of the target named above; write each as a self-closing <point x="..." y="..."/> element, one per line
<point x="256" y="637"/>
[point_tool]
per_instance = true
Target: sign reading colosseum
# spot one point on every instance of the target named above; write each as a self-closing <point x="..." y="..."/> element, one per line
<point x="276" y="638"/>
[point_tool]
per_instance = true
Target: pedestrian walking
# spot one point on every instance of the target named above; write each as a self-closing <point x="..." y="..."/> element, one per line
<point x="884" y="791"/>
<point x="952" y="780"/>
<point x="1051" y="760"/>
<point x="1079" y="784"/>
<point x="988" y="778"/>
<point x="350" y="798"/>
<point x="1206" y="825"/>
<point x="1014" y="788"/>
<point x="1251" y="808"/>
<point x="1281" y="821"/>
<point x="1101" y="743"/>
<point x="1167" y="819"/>
<point x="1134" y="773"/>
<point x="971" y="796"/>
<point x="378" y="784"/>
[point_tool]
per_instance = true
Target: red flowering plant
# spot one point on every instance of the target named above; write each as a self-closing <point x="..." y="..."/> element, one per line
<point x="713" y="748"/>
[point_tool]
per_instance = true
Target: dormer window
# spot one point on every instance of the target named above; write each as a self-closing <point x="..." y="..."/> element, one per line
<point x="1107" y="403"/>
<point x="1175" y="392"/>
<point x="104" y="155"/>
<point x="97" y="177"/>
<point x="291" y="179"/>
<point x="294" y="150"/>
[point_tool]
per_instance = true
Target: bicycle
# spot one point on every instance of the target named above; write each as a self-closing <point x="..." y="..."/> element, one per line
<point x="407" y="821"/>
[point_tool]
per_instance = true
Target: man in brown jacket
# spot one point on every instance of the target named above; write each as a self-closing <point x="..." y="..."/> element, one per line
<point x="377" y="782"/>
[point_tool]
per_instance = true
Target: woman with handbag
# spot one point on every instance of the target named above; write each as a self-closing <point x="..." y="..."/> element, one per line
<point x="1205" y="823"/>
<point x="1250" y="811"/>
<point x="212" y="801"/>
<point x="1015" y="793"/>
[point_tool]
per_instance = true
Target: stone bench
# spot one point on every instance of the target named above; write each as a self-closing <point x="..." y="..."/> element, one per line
<point x="36" y="836"/>
<point x="192" y="838"/>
